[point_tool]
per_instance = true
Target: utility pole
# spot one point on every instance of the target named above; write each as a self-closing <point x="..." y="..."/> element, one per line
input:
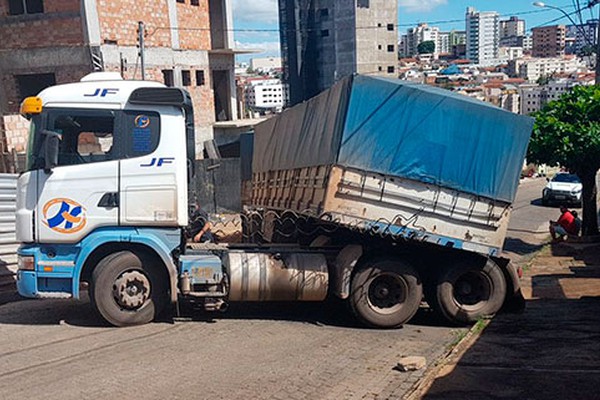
<point x="591" y="4"/>
<point x="141" y="34"/>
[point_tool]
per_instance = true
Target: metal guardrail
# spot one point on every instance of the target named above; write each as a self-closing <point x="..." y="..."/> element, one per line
<point x="8" y="241"/>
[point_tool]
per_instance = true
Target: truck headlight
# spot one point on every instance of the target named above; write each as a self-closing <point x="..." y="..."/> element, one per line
<point x="26" y="263"/>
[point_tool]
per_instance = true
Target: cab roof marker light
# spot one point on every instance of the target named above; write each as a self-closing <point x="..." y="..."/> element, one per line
<point x="31" y="106"/>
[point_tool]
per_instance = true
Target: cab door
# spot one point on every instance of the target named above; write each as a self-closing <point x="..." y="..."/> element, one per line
<point x="152" y="189"/>
<point x="80" y="194"/>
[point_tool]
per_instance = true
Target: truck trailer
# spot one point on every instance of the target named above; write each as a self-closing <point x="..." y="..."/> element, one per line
<point x="417" y="181"/>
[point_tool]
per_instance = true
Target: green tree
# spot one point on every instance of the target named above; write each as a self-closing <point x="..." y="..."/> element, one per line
<point x="426" y="47"/>
<point x="567" y="133"/>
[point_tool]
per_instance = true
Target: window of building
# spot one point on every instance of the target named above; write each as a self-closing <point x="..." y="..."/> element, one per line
<point x="31" y="85"/>
<point x="362" y="3"/>
<point x="168" y="77"/>
<point x="391" y="48"/>
<point x="186" y="78"/>
<point x="379" y="47"/>
<point x="325" y="33"/>
<point x="391" y="69"/>
<point x="200" y="80"/>
<point x="380" y="68"/>
<point x="181" y="1"/>
<point x="390" y="27"/>
<point x="18" y="7"/>
<point x="195" y="2"/>
<point x="324" y="13"/>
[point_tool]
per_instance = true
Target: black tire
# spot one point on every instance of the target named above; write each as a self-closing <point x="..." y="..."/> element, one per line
<point x="126" y="289"/>
<point x="385" y="293"/>
<point x="470" y="290"/>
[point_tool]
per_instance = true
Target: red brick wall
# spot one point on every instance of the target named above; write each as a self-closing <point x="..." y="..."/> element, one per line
<point x="66" y="74"/>
<point x="59" y="25"/>
<point x="197" y="18"/>
<point x="119" y="21"/>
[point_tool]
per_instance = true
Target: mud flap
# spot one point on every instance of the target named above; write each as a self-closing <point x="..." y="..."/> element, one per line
<point x="515" y="301"/>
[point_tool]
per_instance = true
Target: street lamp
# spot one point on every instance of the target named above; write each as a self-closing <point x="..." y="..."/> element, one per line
<point x="590" y="4"/>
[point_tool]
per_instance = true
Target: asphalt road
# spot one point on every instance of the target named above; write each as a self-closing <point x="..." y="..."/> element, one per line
<point x="59" y="349"/>
<point x="528" y="228"/>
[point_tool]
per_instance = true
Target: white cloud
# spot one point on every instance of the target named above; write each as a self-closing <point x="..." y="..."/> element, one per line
<point x="420" y="5"/>
<point x="265" y="11"/>
<point x="269" y="48"/>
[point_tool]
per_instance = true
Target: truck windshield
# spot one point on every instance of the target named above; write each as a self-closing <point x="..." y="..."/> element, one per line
<point x="90" y="136"/>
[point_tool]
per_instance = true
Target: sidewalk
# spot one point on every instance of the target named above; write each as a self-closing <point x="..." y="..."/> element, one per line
<point x="551" y="351"/>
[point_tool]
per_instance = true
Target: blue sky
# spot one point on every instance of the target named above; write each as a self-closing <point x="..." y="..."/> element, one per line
<point x="447" y="14"/>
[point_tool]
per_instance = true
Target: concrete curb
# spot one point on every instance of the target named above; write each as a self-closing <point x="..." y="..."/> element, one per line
<point x="451" y="357"/>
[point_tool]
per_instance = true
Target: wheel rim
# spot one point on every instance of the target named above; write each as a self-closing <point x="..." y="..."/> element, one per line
<point x="472" y="289"/>
<point x="387" y="293"/>
<point x="131" y="290"/>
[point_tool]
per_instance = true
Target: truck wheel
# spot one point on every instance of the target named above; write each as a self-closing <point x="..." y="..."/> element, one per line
<point x="385" y="293"/>
<point x="466" y="292"/>
<point x="126" y="289"/>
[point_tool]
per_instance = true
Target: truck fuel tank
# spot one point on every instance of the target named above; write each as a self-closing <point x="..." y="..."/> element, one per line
<point x="276" y="277"/>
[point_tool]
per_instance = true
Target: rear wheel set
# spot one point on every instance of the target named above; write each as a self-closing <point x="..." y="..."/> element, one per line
<point x="468" y="291"/>
<point x="385" y="293"/>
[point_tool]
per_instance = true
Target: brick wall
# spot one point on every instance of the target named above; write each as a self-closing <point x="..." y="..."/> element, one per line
<point x="59" y="25"/>
<point x="64" y="74"/>
<point x="197" y="18"/>
<point x="119" y="21"/>
<point x="16" y="131"/>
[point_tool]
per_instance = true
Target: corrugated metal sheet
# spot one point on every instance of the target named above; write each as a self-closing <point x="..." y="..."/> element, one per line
<point x="8" y="240"/>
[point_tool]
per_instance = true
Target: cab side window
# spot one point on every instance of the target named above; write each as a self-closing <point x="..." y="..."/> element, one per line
<point x="86" y="136"/>
<point x="141" y="133"/>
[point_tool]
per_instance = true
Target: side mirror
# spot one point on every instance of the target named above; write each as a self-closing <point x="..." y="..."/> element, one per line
<point x="51" y="145"/>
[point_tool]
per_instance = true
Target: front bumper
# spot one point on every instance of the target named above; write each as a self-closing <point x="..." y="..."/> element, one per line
<point x="566" y="197"/>
<point x="48" y="278"/>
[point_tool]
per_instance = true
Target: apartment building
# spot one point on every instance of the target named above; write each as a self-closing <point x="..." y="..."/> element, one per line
<point x="265" y="94"/>
<point x="549" y="41"/>
<point x="531" y="69"/>
<point x="483" y="36"/>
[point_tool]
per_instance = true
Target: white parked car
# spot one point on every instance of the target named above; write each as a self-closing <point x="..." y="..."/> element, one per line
<point x="563" y="188"/>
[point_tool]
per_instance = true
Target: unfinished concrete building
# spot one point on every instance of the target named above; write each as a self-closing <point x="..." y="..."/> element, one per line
<point x="188" y="43"/>
<point x="324" y="40"/>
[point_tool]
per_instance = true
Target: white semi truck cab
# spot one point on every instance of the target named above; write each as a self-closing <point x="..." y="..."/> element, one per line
<point x="104" y="201"/>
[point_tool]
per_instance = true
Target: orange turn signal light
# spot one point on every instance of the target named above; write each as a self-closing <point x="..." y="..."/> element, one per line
<point x="31" y="105"/>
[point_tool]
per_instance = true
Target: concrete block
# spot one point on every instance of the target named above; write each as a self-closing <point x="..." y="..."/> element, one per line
<point x="411" y="363"/>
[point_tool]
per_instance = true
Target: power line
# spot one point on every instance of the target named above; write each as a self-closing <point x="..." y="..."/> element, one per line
<point x="379" y="26"/>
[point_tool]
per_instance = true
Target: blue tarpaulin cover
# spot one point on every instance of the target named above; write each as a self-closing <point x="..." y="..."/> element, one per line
<point x="405" y="129"/>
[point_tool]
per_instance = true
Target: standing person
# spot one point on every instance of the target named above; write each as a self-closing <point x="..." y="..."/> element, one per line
<point x="565" y="225"/>
<point x="199" y="228"/>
